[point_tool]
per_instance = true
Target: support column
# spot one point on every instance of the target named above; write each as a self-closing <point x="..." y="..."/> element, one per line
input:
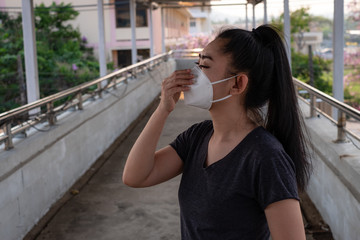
<point x="287" y="34"/>
<point x="163" y="30"/>
<point x="151" y="31"/>
<point x="338" y="50"/>
<point x="246" y="17"/>
<point x="31" y="66"/>
<point x="265" y="12"/>
<point x="133" y="31"/>
<point x="102" y="54"/>
<point x="338" y="53"/>
<point x="254" y="21"/>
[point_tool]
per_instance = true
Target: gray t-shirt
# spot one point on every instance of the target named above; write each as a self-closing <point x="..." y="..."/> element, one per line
<point x="226" y="200"/>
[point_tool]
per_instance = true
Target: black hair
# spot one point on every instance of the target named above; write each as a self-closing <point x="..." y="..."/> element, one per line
<point x="261" y="54"/>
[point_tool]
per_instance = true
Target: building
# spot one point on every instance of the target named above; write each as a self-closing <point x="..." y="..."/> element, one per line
<point x="178" y="22"/>
<point x="200" y="20"/>
<point x="302" y="41"/>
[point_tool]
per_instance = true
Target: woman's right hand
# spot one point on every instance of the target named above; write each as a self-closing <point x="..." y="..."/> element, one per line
<point x="173" y="86"/>
<point x="145" y="166"/>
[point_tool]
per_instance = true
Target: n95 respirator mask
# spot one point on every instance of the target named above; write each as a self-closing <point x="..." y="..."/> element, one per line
<point x="201" y="91"/>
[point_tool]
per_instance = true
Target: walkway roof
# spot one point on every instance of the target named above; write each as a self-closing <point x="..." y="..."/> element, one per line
<point x="188" y="3"/>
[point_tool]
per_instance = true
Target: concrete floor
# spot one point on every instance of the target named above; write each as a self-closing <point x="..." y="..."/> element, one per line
<point x="107" y="209"/>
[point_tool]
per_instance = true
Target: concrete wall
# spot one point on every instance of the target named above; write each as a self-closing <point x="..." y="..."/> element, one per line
<point x="43" y="166"/>
<point x="335" y="183"/>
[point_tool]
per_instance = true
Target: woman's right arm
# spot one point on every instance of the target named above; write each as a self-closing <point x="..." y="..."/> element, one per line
<point x="145" y="166"/>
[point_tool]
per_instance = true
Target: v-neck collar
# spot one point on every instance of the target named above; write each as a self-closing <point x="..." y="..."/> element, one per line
<point x="206" y="147"/>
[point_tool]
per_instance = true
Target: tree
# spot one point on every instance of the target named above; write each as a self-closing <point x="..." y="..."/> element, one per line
<point x="64" y="60"/>
<point x="11" y="45"/>
<point x="354" y="12"/>
<point x="352" y="61"/>
<point x="192" y="42"/>
<point x="321" y="67"/>
<point x="300" y="23"/>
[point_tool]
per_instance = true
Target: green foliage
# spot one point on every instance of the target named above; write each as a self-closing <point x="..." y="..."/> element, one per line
<point x="64" y="60"/>
<point x="300" y="23"/>
<point x="322" y="78"/>
<point x="10" y="46"/>
<point x="323" y="25"/>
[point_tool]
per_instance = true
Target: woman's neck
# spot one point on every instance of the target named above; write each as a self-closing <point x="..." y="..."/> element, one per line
<point x="230" y="123"/>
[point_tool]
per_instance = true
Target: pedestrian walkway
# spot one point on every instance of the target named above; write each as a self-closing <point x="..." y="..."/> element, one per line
<point x="106" y="209"/>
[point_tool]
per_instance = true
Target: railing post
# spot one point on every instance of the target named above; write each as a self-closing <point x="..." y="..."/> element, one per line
<point x="80" y="102"/>
<point x="50" y="113"/>
<point x="312" y="105"/>
<point x="114" y="83"/>
<point x="99" y="89"/>
<point x="341" y="138"/>
<point x="134" y="73"/>
<point x="8" y="141"/>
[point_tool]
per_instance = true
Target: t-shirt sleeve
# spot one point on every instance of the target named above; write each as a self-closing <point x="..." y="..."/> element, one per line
<point x="183" y="141"/>
<point x="276" y="179"/>
<point x="180" y="145"/>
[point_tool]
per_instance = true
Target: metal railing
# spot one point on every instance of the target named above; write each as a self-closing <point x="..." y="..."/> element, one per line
<point x="344" y="110"/>
<point x="18" y="120"/>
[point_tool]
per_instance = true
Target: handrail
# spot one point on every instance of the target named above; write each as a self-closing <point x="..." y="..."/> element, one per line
<point x="343" y="110"/>
<point x="7" y="118"/>
<point x="67" y="92"/>
<point x="326" y="98"/>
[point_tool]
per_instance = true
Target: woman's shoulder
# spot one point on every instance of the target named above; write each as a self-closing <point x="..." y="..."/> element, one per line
<point x="263" y="139"/>
<point x="267" y="149"/>
<point x="199" y="127"/>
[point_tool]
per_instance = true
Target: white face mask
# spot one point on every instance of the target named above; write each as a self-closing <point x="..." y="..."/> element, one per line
<point x="201" y="92"/>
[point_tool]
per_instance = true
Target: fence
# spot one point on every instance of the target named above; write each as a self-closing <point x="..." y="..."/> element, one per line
<point x="18" y="120"/>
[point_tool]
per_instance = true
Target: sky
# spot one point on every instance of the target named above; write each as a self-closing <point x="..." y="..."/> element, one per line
<point x="274" y="9"/>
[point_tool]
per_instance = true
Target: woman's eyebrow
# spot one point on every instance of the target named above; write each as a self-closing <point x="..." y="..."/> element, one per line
<point x="205" y="56"/>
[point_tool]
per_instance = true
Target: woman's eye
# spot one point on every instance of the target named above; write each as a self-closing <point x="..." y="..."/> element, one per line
<point x="201" y="66"/>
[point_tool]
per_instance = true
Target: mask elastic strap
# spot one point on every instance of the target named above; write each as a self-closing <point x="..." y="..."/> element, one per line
<point x="223" y="80"/>
<point x="220" y="99"/>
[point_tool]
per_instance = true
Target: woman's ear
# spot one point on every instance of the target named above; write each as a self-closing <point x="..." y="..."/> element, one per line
<point x="240" y="85"/>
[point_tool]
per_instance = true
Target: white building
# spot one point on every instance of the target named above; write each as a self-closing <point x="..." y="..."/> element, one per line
<point x="200" y="20"/>
<point x="302" y="41"/>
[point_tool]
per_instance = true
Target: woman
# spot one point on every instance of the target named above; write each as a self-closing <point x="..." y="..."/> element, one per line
<point x="240" y="175"/>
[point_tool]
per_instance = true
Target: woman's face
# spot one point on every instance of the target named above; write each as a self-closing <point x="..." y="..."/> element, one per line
<point x="215" y="65"/>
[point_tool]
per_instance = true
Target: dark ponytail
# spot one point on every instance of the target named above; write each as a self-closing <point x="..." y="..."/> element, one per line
<point x="261" y="53"/>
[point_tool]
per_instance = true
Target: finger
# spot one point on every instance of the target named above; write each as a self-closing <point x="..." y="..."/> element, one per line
<point x="175" y="90"/>
<point x="169" y="83"/>
<point x="168" y="88"/>
<point x="180" y="82"/>
<point x="182" y="71"/>
<point x="181" y="74"/>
